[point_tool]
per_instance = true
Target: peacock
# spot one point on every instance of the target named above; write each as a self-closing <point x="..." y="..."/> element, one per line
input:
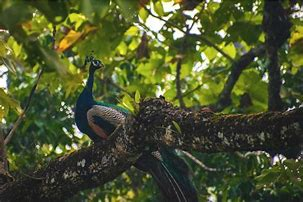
<point x="99" y="119"/>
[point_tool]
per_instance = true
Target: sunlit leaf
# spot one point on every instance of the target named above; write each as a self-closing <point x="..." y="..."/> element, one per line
<point x="127" y="102"/>
<point x="77" y="18"/>
<point x="143" y="14"/>
<point x="230" y="50"/>
<point x="71" y="37"/>
<point x="158" y="7"/>
<point x="132" y="31"/>
<point x="137" y="97"/>
<point x="176" y="125"/>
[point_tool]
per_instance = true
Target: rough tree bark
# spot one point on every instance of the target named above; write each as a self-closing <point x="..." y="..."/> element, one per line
<point x="276" y="26"/>
<point x="153" y="126"/>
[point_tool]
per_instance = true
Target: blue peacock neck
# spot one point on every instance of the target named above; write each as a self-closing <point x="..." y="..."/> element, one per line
<point x="90" y="81"/>
<point x="86" y="97"/>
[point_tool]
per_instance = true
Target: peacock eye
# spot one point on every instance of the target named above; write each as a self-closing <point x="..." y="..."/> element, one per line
<point x="96" y="63"/>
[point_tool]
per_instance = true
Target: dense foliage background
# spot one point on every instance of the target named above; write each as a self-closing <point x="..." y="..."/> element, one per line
<point x="181" y="49"/>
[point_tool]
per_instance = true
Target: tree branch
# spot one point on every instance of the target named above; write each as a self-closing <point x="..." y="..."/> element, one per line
<point x="209" y="43"/>
<point x="189" y="91"/>
<point x="21" y="116"/>
<point x="276" y="26"/>
<point x="178" y="83"/>
<point x="65" y="176"/>
<point x="4" y="174"/>
<point x="202" y="131"/>
<point x="202" y="165"/>
<point x="236" y="70"/>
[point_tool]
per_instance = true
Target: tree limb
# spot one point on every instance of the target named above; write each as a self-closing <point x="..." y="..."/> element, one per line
<point x="4" y="174"/>
<point x="202" y="131"/>
<point x="65" y="176"/>
<point x="276" y="26"/>
<point x="236" y="70"/>
<point x="202" y="165"/>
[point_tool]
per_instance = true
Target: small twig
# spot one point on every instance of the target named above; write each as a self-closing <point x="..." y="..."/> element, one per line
<point x="163" y="20"/>
<point x="3" y="73"/>
<point x="208" y="42"/>
<point x="189" y="92"/>
<point x="147" y="29"/>
<point x="111" y="82"/>
<point x="178" y="83"/>
<point x="201" y="164"/>
<point x="32" y="177"/>
<point x="195" y="20"/>
<point x="203" y="38"/>
<point x="54" y="37"/>
<point x="21" y="116"/>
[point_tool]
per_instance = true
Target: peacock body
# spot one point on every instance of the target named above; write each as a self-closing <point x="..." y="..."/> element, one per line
<point x="99" y="119"/>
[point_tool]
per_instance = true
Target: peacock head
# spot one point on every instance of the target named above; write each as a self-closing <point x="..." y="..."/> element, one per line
<point x="94" y="63"/>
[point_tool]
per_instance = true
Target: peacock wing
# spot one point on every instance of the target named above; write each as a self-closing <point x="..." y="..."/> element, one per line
<point x="103" y="120"/>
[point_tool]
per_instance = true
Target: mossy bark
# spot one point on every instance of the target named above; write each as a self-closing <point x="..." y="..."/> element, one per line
<point x="158" y="123"/>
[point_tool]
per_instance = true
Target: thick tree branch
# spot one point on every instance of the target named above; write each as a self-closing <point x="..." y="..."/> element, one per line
<point x="208" y="132"/>
<point x="153" y="126"/>
<point x="65" y="176"/>
<point x="236" y="70"/>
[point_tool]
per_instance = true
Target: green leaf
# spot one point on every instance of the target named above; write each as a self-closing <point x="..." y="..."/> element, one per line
<point x="77" y="18"/>
<point x="210" y="53"/>
<point x="122" y="48"/>
<point x="143" y="14"/>
<point x="6" y="103"/>
<point x="94" y="8"/>
<point x="158" y="7"/>
<point x="127" y="102"/>
<point x="137" y="97"/>
<point x="177" y="127"/>
<point x="230" y="50"/>
<point x="53" y="61"/>
<point x="6" y="55"/>
<point x="132" y="31"/>
<point x="129" y="9"/>
<point x="55" y="11"/>
<point x="268" y="176"/>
